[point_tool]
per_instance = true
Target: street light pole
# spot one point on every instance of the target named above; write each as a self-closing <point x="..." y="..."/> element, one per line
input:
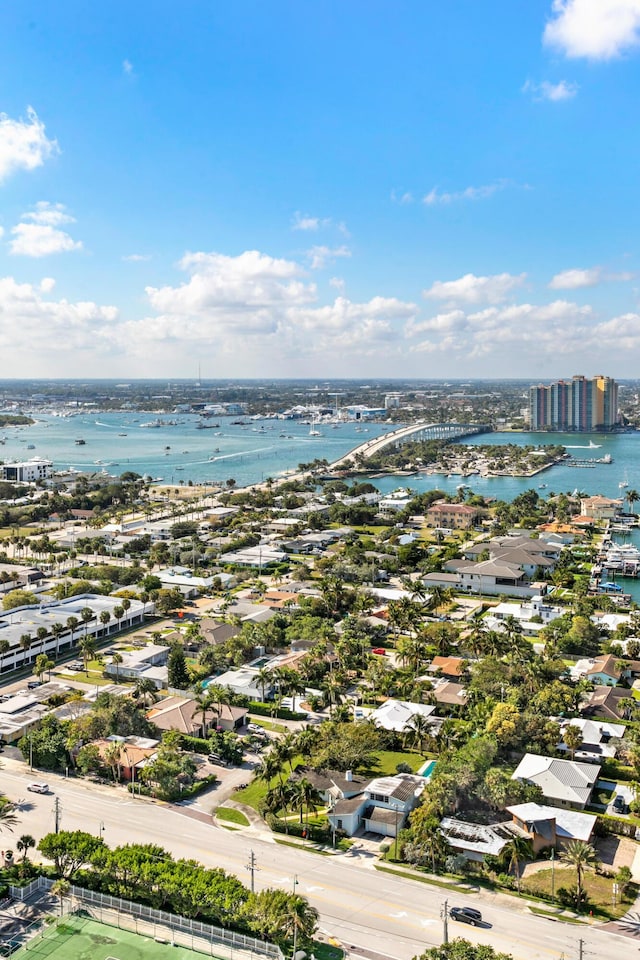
<point x="445" y="921"/>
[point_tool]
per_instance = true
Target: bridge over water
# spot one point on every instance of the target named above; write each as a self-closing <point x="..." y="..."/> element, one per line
<point x="415" y="431"/>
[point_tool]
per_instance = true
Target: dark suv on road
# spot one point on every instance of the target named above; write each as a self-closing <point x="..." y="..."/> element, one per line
<point x="466" y="915"/>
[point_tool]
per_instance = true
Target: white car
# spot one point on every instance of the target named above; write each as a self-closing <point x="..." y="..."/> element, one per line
<point x="38" y="787"/>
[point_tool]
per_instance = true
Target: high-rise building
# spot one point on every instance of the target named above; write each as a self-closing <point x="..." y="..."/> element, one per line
<point x="578" y="405"/>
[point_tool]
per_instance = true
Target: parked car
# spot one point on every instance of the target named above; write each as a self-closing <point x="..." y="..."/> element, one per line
<point x="255" y="728"/>
<point x="466" y="915"/>
<point x="620" y="804"/>
<point x="33" y="684"/>
<point x="38" y="787"/>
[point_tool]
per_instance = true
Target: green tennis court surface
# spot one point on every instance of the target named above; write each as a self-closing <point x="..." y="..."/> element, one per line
<point x="77" y="938"/>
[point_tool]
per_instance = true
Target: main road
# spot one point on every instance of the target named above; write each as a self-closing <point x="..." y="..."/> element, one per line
<point x="372" y="913"/>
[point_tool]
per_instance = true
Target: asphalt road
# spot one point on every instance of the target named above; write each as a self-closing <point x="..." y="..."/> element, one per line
<point x="370" y="912"/>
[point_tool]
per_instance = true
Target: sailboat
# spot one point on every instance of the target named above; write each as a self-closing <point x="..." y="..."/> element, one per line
<point x="623" y="483"/>
<point x="313" y="432"/>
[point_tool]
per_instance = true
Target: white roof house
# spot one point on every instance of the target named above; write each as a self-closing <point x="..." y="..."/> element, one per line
<point x="397" y="715"/>
<point x="565" y="783"/>
<point x="596" y="738"/>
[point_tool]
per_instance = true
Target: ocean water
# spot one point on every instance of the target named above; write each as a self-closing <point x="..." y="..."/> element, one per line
<point x="116" y="442"/>
<point x="602" y="478"/>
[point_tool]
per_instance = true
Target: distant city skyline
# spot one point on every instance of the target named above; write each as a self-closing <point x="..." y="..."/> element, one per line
<point x="366" y="190"/>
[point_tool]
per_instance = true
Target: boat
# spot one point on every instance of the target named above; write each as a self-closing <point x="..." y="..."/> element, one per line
<point x="80" y="443"/>
<point x="542" y="486"/>
<point x="120" y="435"/>
<point x="31" y="446"/>
<point x="623" y="484"/>
<point x="313" y="432"/>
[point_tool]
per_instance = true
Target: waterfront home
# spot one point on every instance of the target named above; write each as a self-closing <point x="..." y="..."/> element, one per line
<point x="489" y="577"/>
<point x="600" y="508"/>
<point x="604" y="670"/>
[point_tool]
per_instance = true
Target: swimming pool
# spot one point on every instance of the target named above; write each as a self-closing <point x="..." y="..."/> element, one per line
<point x="427" y="769"/>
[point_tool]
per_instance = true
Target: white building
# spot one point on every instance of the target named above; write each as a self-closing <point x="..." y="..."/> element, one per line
<point x="26" y="621"/>
<point x="28" y="471"/>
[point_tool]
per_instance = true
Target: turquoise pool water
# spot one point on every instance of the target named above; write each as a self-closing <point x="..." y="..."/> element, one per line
<point x="427" y="770"/>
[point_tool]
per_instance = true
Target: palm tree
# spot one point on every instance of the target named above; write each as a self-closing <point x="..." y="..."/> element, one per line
<point x="125" y="603"/>
<point x="87" y="647"/>
<point x="86" y="615"/>
<point x="118" y="612"/>
<point x="8" y="815"/>
<point x="112" y="758"/>
<point x="60" y="889"/>
<point x="41" y="634"/>
<point x="24" y="844"/>
<point x="263" y="677"/>
<point x="145" y="687"/>
<point x="572" y="736"/>
<point x="56" y="632"/>
<point x="632" y="496"/>
<point x="105" y="617"/>
<point x="5" y="646"/>
<point x="418" y="727"/>
<point x="117" y="659"/>
<point x="25" y="642"/>
<point x="582" y="856"/>
<point x="308" y="798"/>
<point x="519" y="849"/>
<point x="72" y="625"/>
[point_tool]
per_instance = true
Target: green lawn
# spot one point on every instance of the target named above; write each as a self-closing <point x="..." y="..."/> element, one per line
<point x="390" y="759"/>
<point x="599" y="888"/>
<point x="231" y="815"/>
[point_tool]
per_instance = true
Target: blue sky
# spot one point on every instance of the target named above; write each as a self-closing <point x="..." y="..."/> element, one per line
<point x="362" y="188"/>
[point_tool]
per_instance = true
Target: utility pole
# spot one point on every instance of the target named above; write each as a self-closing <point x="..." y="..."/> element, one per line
<point x="445" y="921"/>
<point x="252" y="867"/>
<point x="56" y="814"/>
<point x="580" y="949"/>
<point x="553" y="873"/>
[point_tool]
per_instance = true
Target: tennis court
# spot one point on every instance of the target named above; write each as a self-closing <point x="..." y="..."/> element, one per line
<point x="79" y="938"/>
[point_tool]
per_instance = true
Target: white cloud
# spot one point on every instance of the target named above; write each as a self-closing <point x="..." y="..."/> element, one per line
<point x="1" y="231"/>
<point x="544" y="90"/>
<point x="24" y="144"/>
<point x="403" y="197"/>
<point x="530" y="330"/>
<point x="436" y="196"/>
<point x="471" y="289"/>
<point x="51" y="214"/>
<point x="40" y="235"/>
<point x="137" y="257"/>
<point x="337" y="283"/>
<point x="226" y="300"/>
<point x="302" y="221"/>
<point x="320" y="256"/>
<point x="49" y="326"/>
<point x="595" y="29"/>
<point x="577" y="279"/>
<point x="127" y="67"/>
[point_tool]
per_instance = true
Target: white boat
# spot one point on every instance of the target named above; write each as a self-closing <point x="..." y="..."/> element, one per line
<point x="623" y="484"/>
<point x="313" y="432"/>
